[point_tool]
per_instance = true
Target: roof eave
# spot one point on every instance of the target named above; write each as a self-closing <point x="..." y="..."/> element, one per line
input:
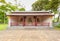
<point x="29" y="11"/>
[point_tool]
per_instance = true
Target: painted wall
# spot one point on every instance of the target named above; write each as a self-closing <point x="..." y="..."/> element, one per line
<point x="15" y="20"/>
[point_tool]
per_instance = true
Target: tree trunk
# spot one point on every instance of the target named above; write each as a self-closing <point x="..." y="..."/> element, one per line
<point x="59" y="17"/>
<point x="4" y="18"/>
<point x="54" y="18"/>
<point x="58" y="20"/>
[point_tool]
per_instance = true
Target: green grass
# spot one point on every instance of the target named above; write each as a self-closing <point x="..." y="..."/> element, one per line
<point x="3" y="26"/>
<point x="56" y="28"/>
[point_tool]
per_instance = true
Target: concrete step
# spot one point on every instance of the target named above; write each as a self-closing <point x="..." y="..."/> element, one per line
<point x="29" y="27"/>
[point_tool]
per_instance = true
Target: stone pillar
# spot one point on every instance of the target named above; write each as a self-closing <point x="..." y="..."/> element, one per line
<point x="9" y="21"/>
<point x="51" y="24"/>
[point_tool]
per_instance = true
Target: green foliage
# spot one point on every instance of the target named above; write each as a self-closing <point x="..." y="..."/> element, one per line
<point x="3" y="26"/>
<point x="39" y="5"/>
<point x="46" y="5"/>
<point x="29" y="20"/>
<point x="21" y="9"/>
<point x="54" y="5"/>
<point x="7" y="7"/>
<point x="3" y="9"/>
<point x="3" y="1"/>
<point x="55" y="20"/>
<point x="58" y="25"/>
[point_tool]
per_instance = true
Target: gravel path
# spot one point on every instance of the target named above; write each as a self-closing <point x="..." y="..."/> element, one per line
<point x="30" y="35"/>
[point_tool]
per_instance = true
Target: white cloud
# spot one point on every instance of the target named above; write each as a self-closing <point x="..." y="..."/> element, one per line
<point x="26" y="3"/>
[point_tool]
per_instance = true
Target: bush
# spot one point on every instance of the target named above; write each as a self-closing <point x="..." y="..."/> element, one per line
<point x="58" y="25"/>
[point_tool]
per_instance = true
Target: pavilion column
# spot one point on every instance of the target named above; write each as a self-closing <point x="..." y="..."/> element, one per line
<point x="36" y="21"/>
<point x="24" y="20"/>
<point x="17" y="21"/>
<point x="35" y="17"/>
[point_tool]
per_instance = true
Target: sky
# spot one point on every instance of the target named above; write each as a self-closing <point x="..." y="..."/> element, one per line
<point x="25" y="3"/>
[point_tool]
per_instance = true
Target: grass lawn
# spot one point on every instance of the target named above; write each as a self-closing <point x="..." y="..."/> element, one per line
<point x="3" y="26"/>
<point x="56" y="28"/>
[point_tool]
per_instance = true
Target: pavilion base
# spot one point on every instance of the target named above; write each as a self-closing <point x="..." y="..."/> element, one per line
<point x="29" y="27"/>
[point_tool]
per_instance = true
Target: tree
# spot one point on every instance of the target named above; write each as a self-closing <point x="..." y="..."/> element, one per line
<point x="3" y="1"/>
<point x="39" y="5"/>
<point x="46" y="5"/>
<point x="6" y="7"/>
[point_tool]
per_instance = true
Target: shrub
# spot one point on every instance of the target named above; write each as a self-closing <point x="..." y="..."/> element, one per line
<point x="58" y="25"/>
